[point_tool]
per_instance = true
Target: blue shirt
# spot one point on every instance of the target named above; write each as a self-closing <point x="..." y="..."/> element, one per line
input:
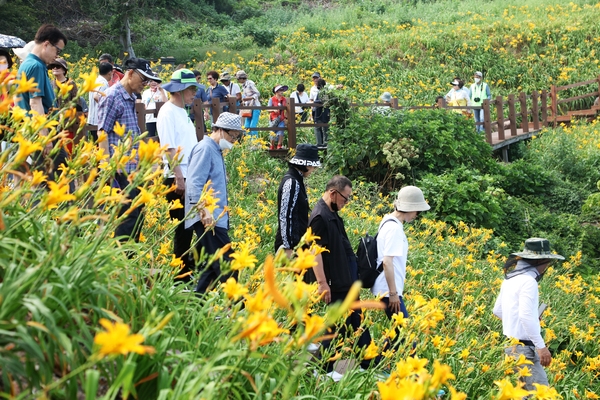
<point x="203" y="96"/>
<point x="35" y="68"/>
<point x="118" y="105"/>
<point x="206" y="163"/>
<point x="219" y="92"/>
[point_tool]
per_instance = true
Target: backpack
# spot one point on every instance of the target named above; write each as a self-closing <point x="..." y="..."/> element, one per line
<point x="366" y="253"/>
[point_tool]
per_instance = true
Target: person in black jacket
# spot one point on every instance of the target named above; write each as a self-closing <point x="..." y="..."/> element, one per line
<point x="292" y="200"/>
<point x="336" y="269"/>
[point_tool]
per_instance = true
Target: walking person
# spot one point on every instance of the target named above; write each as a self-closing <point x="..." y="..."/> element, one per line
<point x="154" y="94"/>
<point x="177" y="133"/>
<point x="117" y="72"/>
<point x="292" y="200"/>
<point x="278" y="118"/>
<point x="517" y="306"/>
<point x="250" y="97"/>
<point x="457" y="97"/>
<point x="336" y="269"/>
<point x="119" y="105"/>
<point x="479" y="92"/>
<point x="300" y="97"/>
<point x="392" y="249"/>
<point x="105" y="74"/>
<point x="232" y="88"/>
<point x="206" y="163"/>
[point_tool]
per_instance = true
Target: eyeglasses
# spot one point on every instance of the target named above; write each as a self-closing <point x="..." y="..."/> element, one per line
<point x="58" y="49"/>
<point x="235" y="138"/>
<point x="241" y="79"/>
<point x="142" y="77"/>
<point x="346" y="199"/>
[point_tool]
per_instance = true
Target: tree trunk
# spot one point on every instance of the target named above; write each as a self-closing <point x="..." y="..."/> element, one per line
<point x="125" y="39"/>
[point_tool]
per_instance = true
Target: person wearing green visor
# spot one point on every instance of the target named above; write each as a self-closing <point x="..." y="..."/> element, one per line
<point x="177" y="132"/>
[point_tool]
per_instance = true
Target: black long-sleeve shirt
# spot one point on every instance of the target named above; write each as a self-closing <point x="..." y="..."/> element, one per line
<point x="292" y="207"/>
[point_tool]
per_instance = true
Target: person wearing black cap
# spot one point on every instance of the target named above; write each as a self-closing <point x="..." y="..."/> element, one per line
<point x="292" y="200"/>
<point x="517" y="307"/>
<point x="119" y="105"/>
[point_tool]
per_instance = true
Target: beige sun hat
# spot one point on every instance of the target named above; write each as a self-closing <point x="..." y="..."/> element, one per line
<point x="23" y="52"/>
<point x="410" y="198"/>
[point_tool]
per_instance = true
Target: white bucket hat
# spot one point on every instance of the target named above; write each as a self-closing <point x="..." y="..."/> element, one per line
<point x="410" y="198"/>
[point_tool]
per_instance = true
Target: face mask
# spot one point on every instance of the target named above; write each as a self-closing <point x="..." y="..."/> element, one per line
<point x="3" y="67"/>
<point x="477" y="80"/>
<point x="225" y="144"/>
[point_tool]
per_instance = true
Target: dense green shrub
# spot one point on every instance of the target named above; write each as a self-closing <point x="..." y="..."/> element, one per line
<point x="464" y="194"/>
<point x="395" y="146"/>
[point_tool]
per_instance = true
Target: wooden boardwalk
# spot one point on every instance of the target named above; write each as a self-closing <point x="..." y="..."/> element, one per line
<point x="507" y="120"/>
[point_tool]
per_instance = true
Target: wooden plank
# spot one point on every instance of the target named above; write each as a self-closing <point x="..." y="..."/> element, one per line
<point x="554" y="104"/>
<point x="500" y="116"/>
<point x="198" y="112"/>
<point x="583" y="96"/>
<point x="524" y="118"/>
<point x="544" y="100"/>
<point x="512" y="115"/>
<point x="535" y="113"/>
<point x="573" y="85"/>
<point x="487" y="123"/>
<point x="291" y="122"/>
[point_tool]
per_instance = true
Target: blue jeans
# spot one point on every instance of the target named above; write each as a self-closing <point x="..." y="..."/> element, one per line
<point x="252" y="122"/>
<point x="478" y="118"/>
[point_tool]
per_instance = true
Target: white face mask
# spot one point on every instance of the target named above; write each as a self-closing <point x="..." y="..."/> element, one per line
<point x="225" y="144"/>
<point x="477" y="80"/>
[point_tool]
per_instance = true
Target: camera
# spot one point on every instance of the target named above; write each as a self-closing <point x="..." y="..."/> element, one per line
<point x="477" y="99"/>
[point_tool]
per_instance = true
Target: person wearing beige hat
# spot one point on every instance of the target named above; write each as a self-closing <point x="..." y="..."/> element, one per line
<point x="392" y="249"/>
<point x="250" y="97"/>
<point x="518" y="307"/>
<point x="232" y="88"/>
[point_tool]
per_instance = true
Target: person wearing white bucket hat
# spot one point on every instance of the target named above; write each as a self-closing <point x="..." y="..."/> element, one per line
<point x="392" y="249"/>
<point x="206" y="164"/>
<point x="517" y="307"/>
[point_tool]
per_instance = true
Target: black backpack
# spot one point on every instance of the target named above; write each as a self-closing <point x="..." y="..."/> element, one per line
<point x="368" y="270"/>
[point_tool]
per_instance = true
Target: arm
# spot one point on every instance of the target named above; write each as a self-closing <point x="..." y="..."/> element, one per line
<point x="388" y="270"/>
<point x="179" y="180"/>
<point x="199" y="168"/>
<point x="488" y="93"/>
<point x="35" y="103"/>
<point x="289" y="198"/>
<point x="530" y="321"/>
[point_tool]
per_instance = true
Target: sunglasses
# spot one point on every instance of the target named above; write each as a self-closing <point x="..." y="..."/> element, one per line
<point x="346" y="199"/>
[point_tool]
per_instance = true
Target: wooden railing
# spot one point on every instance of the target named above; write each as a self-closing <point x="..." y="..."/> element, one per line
<point x="505" y="118"/>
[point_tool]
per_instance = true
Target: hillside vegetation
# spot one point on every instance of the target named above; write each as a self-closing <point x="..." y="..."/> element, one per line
<point x="85" y="316"/>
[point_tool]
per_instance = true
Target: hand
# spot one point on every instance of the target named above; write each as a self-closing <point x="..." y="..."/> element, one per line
<point x="206" y="218"/>
<point x="394" y="303"/>
<point x="48" y="148"/>
<point x="326" y="291"/>
<point x="545" y="356"/>
<point x="179" y="185"/>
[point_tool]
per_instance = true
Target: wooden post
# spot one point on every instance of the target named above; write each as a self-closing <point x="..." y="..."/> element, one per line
<point x="524" y="118"/>
<point x="487" y="120"/>
<point x="394" y="103"/>
<point x="140" y="112"/>
<point x="554" y="103"/>
<point x="198" y="112"/>
<point x="544" y="98"/>
<point x="232" y="101"/>
<point x="512" y="115"/>
<point x="535" y="113"/>
<point x="215" y="106"/>
<point x="291" y="122"/>
<point x="500" y="117"/>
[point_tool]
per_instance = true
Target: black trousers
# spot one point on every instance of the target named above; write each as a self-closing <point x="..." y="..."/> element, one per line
<point x="353" y="320"/>
<point x="182" y="239"/>
<point x="211" y="241"/>
<point x="131" y="226"/>
<point x="151" y="128"/>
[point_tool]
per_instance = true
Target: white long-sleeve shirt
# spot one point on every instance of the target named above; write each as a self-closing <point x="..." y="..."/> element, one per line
<point x="517" y="306"/>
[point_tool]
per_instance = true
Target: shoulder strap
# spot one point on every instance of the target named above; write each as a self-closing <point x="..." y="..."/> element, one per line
<point x="385" y="222"/>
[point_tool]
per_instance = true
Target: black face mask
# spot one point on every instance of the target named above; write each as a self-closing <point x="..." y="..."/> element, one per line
<point x="334" y="207"/>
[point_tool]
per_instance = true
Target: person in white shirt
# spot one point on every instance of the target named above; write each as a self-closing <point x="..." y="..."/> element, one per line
<point x="155" y="94"/>
<point x="232" y="88"/>
<point x="105" y="75"/>
<point x="517" y="307"/>
<point x="300" y="97"/>
<point x="392" y="249"/>
<point x="457" y="97"/>
<point x="177" y="132"/>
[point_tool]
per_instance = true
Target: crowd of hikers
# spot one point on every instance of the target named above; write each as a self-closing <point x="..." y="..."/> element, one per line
<point x="191" y="164"/>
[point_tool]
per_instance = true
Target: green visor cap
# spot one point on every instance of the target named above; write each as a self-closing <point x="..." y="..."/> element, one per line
<point x="181" y="80"/>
